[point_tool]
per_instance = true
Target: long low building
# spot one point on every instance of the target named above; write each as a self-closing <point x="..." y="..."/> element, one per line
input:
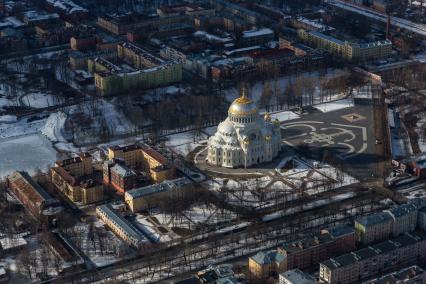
<point x="120" y="226"/>
<point x="345" y="49"/>
<point x="34" y="198"/>
<point x="373" y="260"/>
<point x="147" y="197"/>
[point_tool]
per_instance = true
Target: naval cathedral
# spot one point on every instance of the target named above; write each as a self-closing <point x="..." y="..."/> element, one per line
<point x="244" y="138"/>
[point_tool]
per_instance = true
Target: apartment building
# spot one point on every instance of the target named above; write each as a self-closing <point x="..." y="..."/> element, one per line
<point x="110" y="83"/>
<point x="345" y="49"/>
<point x="375" y="259"/>
<point x="374" y="227"/>
<point x="136" y="56"/>
<point x="75" y="179"/>
<point x="266" y="263"/>
<point x="148" y="197"/>
<point x="380" y="226"/>
<point x="421" y="221"/>
<point x="132" y="155"/>
<point x="78" y="166"/>
<point x="82" y="190"/>
<point x="121" y="226"/>
<point x="408" y="275"/>
<point x="404" y="218"/>
<point x="307" y="252"/>
<point x="123" y="178"/>
<point x="158" y="167"/>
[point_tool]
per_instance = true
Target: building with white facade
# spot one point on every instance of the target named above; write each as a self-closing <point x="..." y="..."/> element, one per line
<point x="244" y="138"/>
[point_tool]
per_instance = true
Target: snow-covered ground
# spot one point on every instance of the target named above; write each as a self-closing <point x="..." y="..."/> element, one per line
<point x="184" y="142"/>
<point x="20" y="127"/>
<point x="284" y="116"/>
<point x="284" y="185"/>
<point x="193" y="218"/>
<point x="52" y="129"/>
<point x="151" y="230"/>
<point x="100" y="246"/>
<point x="27" y="153"/>
<point x="8" y="119"/>
<point x="41" y="100"/>
<point x="336" y="105"/>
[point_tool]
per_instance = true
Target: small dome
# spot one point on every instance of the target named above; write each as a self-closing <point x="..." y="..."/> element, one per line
<point x="226" y="127"/>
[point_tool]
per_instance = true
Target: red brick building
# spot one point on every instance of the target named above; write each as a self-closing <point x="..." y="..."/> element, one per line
<point x="123" y="178"/>
<point x="34" y="198"/>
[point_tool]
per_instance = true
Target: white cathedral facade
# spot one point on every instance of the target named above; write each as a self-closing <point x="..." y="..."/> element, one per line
<point x="244" y="138"/>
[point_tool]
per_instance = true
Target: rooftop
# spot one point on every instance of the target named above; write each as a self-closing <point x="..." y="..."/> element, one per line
<point x="121" y="222"/>
<point x="258" y="32"/>
<point x="403" y="210"/>
<point x="297" y="276"/>
<point x="318" y="239"/>
<point x="400" y="276"/>
<point x="266" y="257"/>
<point x="371" y="251"/>
<point x="122" y="170"/>
<point x="339" y="231"/>
<point x="157" y="188"/>
<point x="28" y="186"/>
<point x="374" y="219"/>
<point x="156" y="156"/>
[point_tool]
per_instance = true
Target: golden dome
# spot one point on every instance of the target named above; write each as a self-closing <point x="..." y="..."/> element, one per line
<point x="243" y="106"/>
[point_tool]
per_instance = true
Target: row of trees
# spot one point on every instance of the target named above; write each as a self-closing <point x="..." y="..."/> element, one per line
<point x="307" y="90"/>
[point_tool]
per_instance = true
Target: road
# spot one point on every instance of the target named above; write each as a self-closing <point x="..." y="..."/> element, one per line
<point x="34" y="52"/>
<point x="404" y="24"/>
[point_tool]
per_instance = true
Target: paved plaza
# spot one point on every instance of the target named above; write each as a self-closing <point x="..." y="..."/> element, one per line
<point x="346" y="135"/>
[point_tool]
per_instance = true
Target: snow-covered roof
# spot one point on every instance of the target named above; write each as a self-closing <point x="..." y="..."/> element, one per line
<point x="258" y="32"/>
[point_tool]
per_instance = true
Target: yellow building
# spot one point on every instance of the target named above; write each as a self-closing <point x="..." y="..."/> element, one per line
<point x="73" y="177"/>
<point x="134" y="155"/>
<point x="75" y="189"/>
<point x="265" y="264"/>
<point x="137" y="56"/>
<point x="148" y="197"/>
<point x="347" y="50"/>
<point x="77" y="166"/>
<point x="109" y="83"/>
<point x="150" y="72"/>
<point x="159" y="167"/>
<point x="120" y="226"/>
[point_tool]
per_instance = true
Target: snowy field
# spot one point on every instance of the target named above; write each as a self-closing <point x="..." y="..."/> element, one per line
<point x="336" y="105"/>
<point x="183" y="143"/>
<point x="292" y="174"/>
<point x="196" y="217"/>
<point x="27" y="153"/>
<point x="284" y="116"/>
<point x="41" y="100"/>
